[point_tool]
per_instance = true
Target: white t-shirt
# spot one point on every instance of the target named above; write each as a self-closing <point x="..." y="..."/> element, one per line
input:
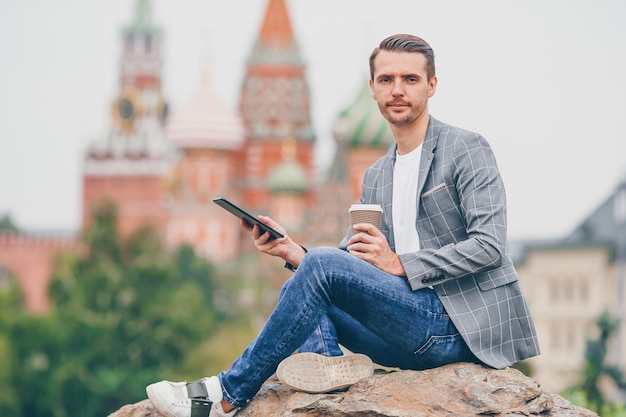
<point x="404" y="207"/>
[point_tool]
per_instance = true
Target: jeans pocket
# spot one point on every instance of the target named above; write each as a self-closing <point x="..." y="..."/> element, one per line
<point x="442" y="350"/>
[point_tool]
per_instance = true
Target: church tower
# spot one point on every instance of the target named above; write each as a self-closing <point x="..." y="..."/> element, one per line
<point x="127" y="166"/>
<point x="275" y="106"/>
<point x="206" y="135"/>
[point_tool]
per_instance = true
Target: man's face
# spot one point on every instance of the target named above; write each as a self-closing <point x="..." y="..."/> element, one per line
<point x="401" y="86"/>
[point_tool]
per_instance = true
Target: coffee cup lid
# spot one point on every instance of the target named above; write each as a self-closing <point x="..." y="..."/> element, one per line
<point x="370" y="207"/>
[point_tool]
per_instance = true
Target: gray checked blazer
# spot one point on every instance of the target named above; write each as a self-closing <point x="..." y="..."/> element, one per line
<point x="461" y="223"/>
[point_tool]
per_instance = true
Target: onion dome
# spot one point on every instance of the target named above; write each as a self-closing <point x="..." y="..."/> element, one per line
<point x="289" y="176"/>
<point x="205" y="123"/>
<point x="362" y="125"/>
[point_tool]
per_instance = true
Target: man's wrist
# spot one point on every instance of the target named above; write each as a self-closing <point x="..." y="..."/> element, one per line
<point x="290" y="266"/>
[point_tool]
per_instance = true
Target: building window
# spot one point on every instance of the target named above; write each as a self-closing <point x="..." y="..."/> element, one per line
<point x="571" y="337"/>
<point x="204" y="175"/>
<point x="569" y="293"/>
<point x="584" y="290"/>
<point x="554" y="290"/>
<point x="555" y="336"/>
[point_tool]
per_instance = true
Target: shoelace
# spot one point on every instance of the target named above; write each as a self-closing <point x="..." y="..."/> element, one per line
<point x="180" y="394"/>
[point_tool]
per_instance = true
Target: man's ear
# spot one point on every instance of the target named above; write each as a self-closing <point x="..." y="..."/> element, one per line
<point x="372" y="89"/>
<point x="432" y="86"/>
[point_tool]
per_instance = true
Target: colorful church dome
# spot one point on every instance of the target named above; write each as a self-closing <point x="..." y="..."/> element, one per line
<point x="362" y="125"/>
<point x="205" y="123"/>
<point x="289" y="176"/>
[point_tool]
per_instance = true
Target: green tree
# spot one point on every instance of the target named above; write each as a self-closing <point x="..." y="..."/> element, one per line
<point x="6" y="224"/>
<point x="587" y="392"/>
<point x="11" y="307"/>
<point x="126" y="314"/>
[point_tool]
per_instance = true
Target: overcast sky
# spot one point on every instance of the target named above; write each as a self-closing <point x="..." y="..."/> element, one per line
<point x="543" y="80"/>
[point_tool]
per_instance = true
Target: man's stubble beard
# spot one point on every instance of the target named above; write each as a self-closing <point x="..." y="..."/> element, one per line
<point x="398" y="120"/>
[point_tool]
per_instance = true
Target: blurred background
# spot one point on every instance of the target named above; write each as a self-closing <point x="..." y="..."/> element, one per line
<point x="121" y="120"/>
<point x="540" y="80"/>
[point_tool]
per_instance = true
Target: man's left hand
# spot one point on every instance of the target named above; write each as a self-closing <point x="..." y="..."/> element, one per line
<point x="369" y="244"/>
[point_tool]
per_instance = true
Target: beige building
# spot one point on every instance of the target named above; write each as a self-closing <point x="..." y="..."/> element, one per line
<point x="569" y="283"/>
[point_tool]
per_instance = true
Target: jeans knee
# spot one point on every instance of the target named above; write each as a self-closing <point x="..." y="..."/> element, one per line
<point x="323" y="254"/>
<point x="315" y="266"/>
<point x="284" y="287"/>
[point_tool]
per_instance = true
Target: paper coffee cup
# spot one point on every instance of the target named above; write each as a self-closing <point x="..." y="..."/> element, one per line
<point x="366" y="213"/>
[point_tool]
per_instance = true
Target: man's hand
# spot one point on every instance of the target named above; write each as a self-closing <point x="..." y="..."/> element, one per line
<point x="284" y="247"/>
<point x="369" y="244"/>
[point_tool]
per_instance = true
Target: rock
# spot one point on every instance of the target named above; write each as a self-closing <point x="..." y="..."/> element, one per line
<point x="142" y="408"/>
<point x="462" y="389"/>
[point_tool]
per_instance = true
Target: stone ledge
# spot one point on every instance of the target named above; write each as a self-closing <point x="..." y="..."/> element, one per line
<point x="462" y="389"/>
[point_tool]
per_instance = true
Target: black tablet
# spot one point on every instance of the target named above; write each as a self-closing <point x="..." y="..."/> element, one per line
<point x="247" y="217"/>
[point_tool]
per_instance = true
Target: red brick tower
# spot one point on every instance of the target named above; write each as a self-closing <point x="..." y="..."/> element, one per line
<point x="127" y="167"/>
<point x="274" y="104"/>
<point x="289" y="185"/>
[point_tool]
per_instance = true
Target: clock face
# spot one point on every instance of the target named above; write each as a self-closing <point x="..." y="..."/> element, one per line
<point x="126" y="109"/>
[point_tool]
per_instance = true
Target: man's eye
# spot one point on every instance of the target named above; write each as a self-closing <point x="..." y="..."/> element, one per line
<point x="412" y="79"/>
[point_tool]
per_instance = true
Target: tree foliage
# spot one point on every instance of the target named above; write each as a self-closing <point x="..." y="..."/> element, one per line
<point x="11" y="306"/>
<point x="6" y="224"/>
<point x="588" y="393"/>
<point x="126" y="314"/>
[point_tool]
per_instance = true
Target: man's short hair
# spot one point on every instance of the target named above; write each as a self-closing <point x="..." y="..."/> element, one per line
<point x="406" y="43"/>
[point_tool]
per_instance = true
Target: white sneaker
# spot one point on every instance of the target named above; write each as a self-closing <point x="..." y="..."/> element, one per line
<point x="188" y="399"/>
<point x="314" y="373"/>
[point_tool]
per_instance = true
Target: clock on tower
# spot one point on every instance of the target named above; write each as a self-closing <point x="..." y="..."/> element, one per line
<point x="126" y="109"/>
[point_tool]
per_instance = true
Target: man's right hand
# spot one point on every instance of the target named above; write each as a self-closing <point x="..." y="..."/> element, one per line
<point x="284" y="247"/>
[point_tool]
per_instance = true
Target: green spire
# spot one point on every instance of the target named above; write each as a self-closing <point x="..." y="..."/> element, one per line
<point x="143" y="18"/>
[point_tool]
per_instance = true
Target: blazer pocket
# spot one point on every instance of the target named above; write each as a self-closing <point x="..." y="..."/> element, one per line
<point x="495" y="278"/>
<point x="435" y="188"/>
<point x="440" y="209"/>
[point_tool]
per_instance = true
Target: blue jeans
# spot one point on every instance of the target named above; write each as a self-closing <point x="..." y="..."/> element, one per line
<point x="335" y="298"/>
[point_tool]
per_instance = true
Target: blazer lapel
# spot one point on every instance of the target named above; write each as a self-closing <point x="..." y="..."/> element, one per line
<point x="385" y="186"/>
<point x="428" y="154"/>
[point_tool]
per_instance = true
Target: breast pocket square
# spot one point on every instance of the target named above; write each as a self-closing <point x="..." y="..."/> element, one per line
<point x="435" y="188"/>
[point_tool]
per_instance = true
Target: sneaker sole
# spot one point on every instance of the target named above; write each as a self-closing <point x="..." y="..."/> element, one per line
<point x="314" y="373"/>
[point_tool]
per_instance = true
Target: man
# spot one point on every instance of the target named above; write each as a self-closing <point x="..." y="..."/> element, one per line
<point x="434" y="285"/>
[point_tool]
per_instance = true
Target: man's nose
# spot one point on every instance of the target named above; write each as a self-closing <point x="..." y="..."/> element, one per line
<point x="397" y="88"/>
